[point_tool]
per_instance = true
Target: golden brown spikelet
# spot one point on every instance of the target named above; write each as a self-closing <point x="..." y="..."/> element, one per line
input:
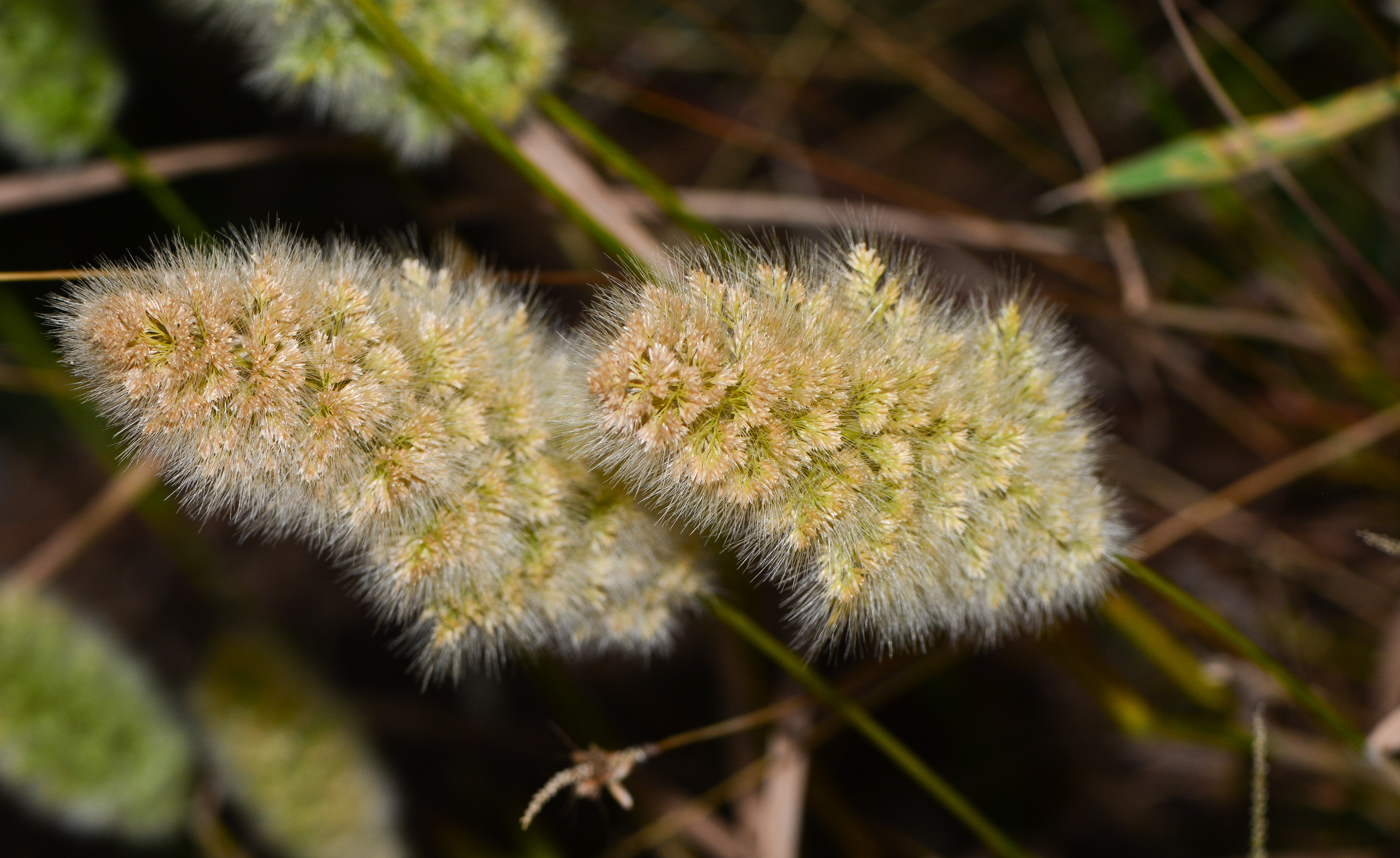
<point x="904" y="464"/>
<point x="396" y="413"/>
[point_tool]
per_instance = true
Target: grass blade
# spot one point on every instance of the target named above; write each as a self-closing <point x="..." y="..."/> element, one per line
<point x="1305" y="697"/>
<point x="1211" y="157"/>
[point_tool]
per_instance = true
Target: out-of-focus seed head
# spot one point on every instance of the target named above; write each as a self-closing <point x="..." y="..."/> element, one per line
<point x="59" y="84"/>
<point x="397" y="413"/>
<point x="499" y="53"/>
<point x="905" y="465"/>
<point x="85" y="735"/>
<point x="291" y="756"/>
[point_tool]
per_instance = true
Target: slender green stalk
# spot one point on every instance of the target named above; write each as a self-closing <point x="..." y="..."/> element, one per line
<point x="1304" y="696"/>
<point x="161" y="196"/>
<point x="861" y="720"/>
<point x="450" y="100"/>
<point x="623" y="162"/>
<point x="1158" y="644"/>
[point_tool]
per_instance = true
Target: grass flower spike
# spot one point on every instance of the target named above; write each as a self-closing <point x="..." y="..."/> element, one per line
<point x="498" y="52"/>
<point x="292" y="758"/>
<point x="904" y="465"/>
<point x="395" y="413"/>
<point x="59" y="85"/>
<point x="85" y="736"/>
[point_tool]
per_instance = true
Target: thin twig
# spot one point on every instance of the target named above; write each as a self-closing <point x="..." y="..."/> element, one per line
<point x="1224" y="321"/>
<point x="763" y="207"/>
<point x="778" y="832"/>
<point x="739" y="723"/>
<point x="561" y="277"/>
<point x="52" y="274"/>
<point x="1132" y="276"/>
<point x="1288" y="555"/>
<point x="751" y="776"/>
<point x="627" y="165"/>
<point x="1259" y="787"/>
<point x="548" y="150"/>
<point x="675" y="821"/>
<point x="100" y="513"/>
<point x="821" y="163"/>
<point x="31" y="189"/>
<point x="944" y="89"/>
<point x="1276" y="474"/>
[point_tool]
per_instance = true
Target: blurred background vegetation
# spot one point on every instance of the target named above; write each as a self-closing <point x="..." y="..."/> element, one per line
<point x="1241" y="312"/>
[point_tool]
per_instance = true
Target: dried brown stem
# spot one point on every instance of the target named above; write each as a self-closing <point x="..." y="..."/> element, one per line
<point x="32" y="189"/>
<point x="1278" y="473"/>
<point x="100" y="513"/>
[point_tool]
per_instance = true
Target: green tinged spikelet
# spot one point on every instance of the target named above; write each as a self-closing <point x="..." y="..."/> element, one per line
<point x="59" y="85"/>
<point x="291" y="757"/>
<point x="906" y="466"/>
<point x="500" y="53"/>
<point x="397" y="414"/>
<point x="85" y="735"/>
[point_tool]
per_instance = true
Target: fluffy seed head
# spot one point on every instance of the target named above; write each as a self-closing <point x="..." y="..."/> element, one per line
<point x="904" y="464"/>
<point x="291" y="757"/>
<point x="85" y="736"/>
<point x="59" y="85"/>
<point x="498" y="52"/>
<point x="396" y="413"/>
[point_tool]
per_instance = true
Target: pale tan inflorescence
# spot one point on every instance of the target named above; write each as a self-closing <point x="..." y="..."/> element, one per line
<point x="908" y="465"/>
<point x="396" y="413"/>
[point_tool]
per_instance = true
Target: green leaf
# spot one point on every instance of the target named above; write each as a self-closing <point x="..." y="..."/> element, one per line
<point x="1210" y="157"/>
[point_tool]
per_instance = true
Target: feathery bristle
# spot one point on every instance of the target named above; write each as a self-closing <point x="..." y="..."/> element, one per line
<point x="85" y="735"/>
<point x="906" y="466"/>
<point x="291" y="757"/>
<point x="397" y="414"/>
<point x="499" y="53"/>
<point x="59" y="84"/>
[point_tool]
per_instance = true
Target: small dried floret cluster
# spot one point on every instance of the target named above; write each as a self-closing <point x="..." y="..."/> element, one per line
<point x="395" y="413"/>
<point x="59" y="85"/>
<point x="905" y="465"/>
<point x="499" y="53"/>
<point x="85" y="735"/>
<point x="292" y="758"/>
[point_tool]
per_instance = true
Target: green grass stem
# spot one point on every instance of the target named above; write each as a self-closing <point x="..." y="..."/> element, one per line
<point x="450" y="100"/>
<point x="1305" y="697"/>
<point x="855" y="715"/>
<point x="161" y="196"/>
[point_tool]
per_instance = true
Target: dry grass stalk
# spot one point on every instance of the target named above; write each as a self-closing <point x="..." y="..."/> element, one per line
<point x="30" y="189"/>
<point x="68" y="541"/>
<point x="1275" y="475"/>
